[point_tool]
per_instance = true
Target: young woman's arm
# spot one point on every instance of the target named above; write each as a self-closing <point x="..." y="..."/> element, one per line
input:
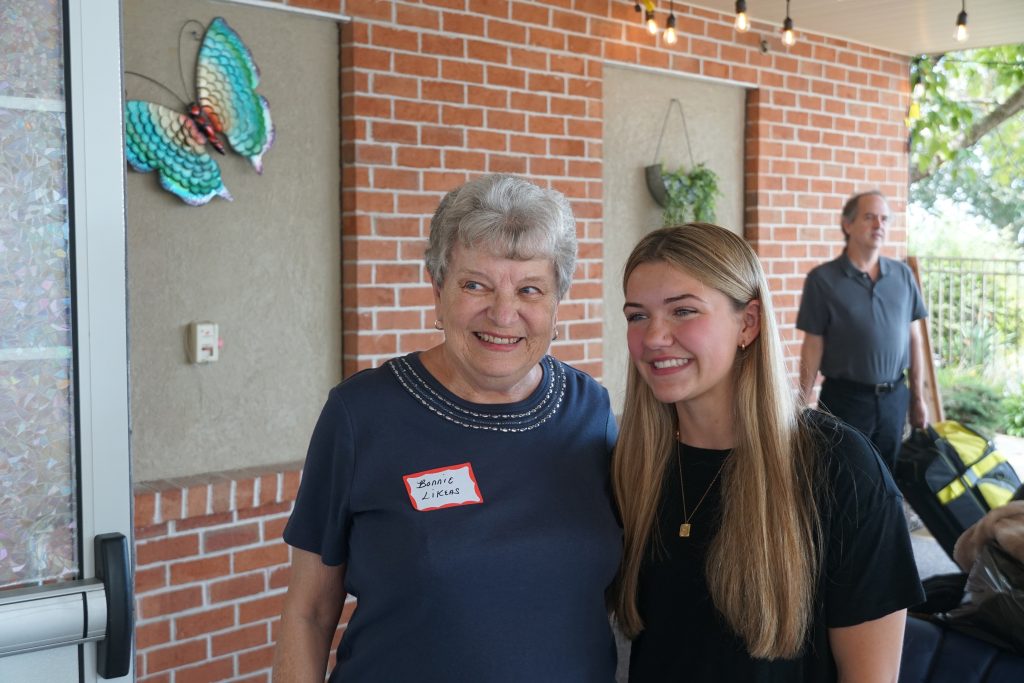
<point x="869" y="652"/>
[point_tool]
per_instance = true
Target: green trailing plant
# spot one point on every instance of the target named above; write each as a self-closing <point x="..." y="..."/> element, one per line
<point x="690" y="194"/>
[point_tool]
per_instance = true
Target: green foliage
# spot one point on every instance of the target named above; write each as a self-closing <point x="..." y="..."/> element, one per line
<point x="972" y="400"/>
<point x="691" y="195"/>
<point x="950" y="232"/>
<point x="972" y="183"/>
<point x="970" y="336"/>
<point x="953" y="93"/>
<point x="1013" y="413"/>
<point x="969" y="398"/>
<point x="941" y="114"/>
<point x="976" y="317"/>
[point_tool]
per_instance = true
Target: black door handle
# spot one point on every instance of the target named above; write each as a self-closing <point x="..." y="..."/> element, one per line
<point x="113" y="568"/>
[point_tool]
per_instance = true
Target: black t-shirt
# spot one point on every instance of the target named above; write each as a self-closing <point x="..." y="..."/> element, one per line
<point x="868" y="568"/>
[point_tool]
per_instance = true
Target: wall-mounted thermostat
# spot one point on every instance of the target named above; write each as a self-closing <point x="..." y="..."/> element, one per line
<point x="203" y="343"/>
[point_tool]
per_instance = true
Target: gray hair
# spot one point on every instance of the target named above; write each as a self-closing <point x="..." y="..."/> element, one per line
<point x="508" y="216"/>
<point x="852" y="204"/>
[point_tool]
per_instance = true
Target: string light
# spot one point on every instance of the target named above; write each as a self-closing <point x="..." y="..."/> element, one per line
<point x="742" y="21"/>
<point x="670" y="25"/>
<point x="788" y="37"/>
<point x="652" y="25"/>
<point x="961" y="22"/>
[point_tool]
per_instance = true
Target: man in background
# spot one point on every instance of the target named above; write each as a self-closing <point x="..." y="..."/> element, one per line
<point x="859" y="316"/>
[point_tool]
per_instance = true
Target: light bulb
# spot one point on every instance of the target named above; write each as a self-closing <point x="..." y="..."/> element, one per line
<point x="652" y="25"/>
<point x="788" y="36"/>
<point x="742" y="21"/>
<point x="961" y="26"/>
<point x="670" y="30"/>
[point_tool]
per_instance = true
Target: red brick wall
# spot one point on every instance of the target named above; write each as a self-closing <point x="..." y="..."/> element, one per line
<point x="435" y="92"/>
<point x="825" y="121"/>
<point x="432" y="97"/>
<point x="211" y="571"/>
<point x="210" y="574"/>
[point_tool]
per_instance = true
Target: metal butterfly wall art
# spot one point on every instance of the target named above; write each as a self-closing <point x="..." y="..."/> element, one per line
<point x="173" y="143"/>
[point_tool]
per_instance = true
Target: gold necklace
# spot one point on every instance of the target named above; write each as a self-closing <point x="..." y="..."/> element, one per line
<point x="684" y="528"/>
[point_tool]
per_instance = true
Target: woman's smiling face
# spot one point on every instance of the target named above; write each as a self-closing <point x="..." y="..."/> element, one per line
<point x="498" y="316"/>
<point x="683" y="335"/>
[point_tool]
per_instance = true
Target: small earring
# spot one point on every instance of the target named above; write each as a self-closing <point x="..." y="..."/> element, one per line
<point x="438" y="325"/>
<point x="556" y="335"/>
<point x="743" y="346"/>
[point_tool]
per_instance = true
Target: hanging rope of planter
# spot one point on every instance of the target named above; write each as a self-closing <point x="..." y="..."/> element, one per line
<point x="684" y="194"/>
<point x="655" y="185"/>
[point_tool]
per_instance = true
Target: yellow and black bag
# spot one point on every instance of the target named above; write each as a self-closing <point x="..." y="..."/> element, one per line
<point x="952" y="475"/>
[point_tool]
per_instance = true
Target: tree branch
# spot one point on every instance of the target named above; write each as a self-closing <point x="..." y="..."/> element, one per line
<point x="1013" y="104"/>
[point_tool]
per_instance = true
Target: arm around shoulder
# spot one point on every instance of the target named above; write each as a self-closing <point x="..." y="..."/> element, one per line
<point x="312" y="607"/>
<point x="869" y="652"/>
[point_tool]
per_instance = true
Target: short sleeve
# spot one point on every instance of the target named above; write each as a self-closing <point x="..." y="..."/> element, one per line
<point x="813" y="314"/>
<point x="869" y="568"/>
<point x="319" y="523"/>
<point x="918" y="311"/>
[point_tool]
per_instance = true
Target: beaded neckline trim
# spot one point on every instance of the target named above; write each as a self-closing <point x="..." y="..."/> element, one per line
<point x="546" y="408"/>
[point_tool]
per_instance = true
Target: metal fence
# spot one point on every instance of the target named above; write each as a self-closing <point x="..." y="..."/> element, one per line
<point x="975" y="314"/>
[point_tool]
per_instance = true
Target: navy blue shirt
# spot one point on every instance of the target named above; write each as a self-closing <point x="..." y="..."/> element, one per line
<point x="865" y="324"/>
<point x="478" y="539"/>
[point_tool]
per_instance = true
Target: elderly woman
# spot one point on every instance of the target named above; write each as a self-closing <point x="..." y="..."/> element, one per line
<point x="762" y="542"/>
<point x="462" y="494"/>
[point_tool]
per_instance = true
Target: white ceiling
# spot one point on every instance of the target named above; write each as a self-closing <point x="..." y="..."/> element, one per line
<point x="908" y="27"/>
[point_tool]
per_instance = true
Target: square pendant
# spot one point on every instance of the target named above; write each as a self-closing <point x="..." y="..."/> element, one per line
<point x="684" y="530"/>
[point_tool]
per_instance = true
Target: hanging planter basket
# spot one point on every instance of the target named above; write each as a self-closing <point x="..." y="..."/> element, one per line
<point x="655" y="184"/>
<point x="685" y="194"/>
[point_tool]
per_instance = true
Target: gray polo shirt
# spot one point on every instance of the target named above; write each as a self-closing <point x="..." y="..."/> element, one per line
<point x="865" y="324"/>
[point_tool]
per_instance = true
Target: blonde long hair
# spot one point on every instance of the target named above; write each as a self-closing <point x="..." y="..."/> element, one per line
<point x="763" y="563"/>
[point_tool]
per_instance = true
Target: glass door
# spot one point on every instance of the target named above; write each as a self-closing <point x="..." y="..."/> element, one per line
<point x="65" y="492"/>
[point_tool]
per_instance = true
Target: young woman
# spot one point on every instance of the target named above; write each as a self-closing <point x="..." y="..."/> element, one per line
<point x="762" y="543"/>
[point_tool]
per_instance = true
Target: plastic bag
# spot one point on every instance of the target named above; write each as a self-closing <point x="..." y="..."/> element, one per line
<point x="993" y="605"/>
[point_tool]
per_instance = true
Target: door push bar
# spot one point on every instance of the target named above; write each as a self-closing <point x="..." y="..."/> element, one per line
<point x="74" y="612"/>
<point x="113" y="568"/>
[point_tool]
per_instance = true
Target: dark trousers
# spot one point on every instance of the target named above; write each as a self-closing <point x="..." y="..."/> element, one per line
<point x="879" y="416"/>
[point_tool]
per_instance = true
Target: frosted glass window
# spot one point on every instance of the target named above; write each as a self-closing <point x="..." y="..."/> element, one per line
<point x="31" y="49"/>
<point x="37" y="455"/>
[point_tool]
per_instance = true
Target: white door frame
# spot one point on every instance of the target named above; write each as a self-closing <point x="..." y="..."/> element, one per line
<point x="93" y="65"/>
<point x="96" y="192"/>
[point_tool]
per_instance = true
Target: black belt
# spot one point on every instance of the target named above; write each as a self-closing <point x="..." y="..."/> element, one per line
<point x="876" y="389"/>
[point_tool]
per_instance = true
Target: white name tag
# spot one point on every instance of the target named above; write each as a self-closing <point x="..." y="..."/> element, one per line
<point x="444" y="487"/>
